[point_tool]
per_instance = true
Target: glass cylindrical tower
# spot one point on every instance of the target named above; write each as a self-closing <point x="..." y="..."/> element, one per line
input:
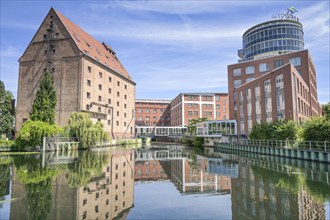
<point x="272" y="38"/>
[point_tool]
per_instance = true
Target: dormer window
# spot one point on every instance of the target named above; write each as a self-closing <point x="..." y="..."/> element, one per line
<point x="98" y="51"/>
<point x="88" y="45"/>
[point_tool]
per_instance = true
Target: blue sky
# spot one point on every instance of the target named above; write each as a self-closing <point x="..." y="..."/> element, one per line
<point x="168" y="47"/>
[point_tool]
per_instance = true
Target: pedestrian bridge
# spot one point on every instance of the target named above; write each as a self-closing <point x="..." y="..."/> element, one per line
<point x="161" y="131"/>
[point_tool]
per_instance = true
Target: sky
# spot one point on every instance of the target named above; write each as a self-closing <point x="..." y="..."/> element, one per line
<point x="168" y="47"/>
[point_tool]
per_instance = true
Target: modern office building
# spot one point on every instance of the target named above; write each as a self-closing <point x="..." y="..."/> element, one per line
<point x="272" y="38"/>
<point x="88" y="76"/>
<point x="152" y="112"/>
<point x="187" y="106"/>
<point x="276" y="78"/>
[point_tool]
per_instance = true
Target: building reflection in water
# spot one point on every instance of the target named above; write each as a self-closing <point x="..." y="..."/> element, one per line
<point x="190" y="173"/>
<point x="98" y="185"/>
<point x="265" y="189"/>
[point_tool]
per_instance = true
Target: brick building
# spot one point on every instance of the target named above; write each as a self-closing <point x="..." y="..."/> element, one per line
<point x="186" y="106"/>
<point x="269" y="89"/>
<point x="275" y="79"/>
<point x="88" y="76"/>
<point x="152" y="112"/>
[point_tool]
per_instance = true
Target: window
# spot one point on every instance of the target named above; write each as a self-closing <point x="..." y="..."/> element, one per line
<point x="190" y="113"/>
<point x="118" y="83"/>
<point x="237" y="72"/>
<point x="278" y="63"/>
<point x="100" y="98"/>
<point x="87" y="107"/>
<point x="125" y="86"/>
<point x="109" y="122"/>
<point x="217" y="105"/>
<point x="189" y="104"/>
<point x="249" y="79"/>
<point x="100" y="74"/>
<point x="109" y="90"/>
<point x="97" y="209"/>
<point x="118" y="94"/>
<point x="45" y="36"/>
<point x="100" y="87"/>
<point x="54" y="50"/>
<point x="296" y="61"/>
<point x="237" y="83"/>
<point x="147" y="110"/>
<point x="110" y="79"/>
<point x="125" y="115"/>
<point x="88" y="95"/>
<point x="263" y="67"/>
<point x="109" y="101"/>
<point x="84" y="202"/>
<point x="89" y="83"/>
<point x="125" y="106"/>
<point x="125" y="96"/>
<point x="89" y="69"/>
<point x="249" y="70"/>
<point x="217" y="98"/>
<point x="99" y="109"/>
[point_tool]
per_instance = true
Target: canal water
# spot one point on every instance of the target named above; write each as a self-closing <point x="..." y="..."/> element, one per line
<point x="162" y="182"/>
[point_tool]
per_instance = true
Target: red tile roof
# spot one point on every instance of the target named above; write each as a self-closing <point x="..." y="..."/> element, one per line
<point x="87" y="44"/>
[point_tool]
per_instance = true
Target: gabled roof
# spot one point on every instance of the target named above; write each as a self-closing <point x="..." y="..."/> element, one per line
<point x="101" y="52"/>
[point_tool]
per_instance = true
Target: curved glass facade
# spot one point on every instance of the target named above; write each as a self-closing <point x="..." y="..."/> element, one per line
<point x="277" y="35"/>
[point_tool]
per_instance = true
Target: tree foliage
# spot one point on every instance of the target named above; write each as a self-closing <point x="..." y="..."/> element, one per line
<point x="316" y="129"/>
<point x="192" y="124"/>
<point x="284" y="130"/>
<point x="82" y="127"/>
<point x="262" y="131"/>
<point x="32" y="132"/>
<point x="6" y="118"/>
<point x="43" y="107"/>
<point x="280" y="130"/>
<point x="326" y="110"/>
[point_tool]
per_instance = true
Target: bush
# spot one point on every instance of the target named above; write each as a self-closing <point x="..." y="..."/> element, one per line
<point x="316" y="129"/>
<point x="262" y="131"/>
<point x="32" y="132"/>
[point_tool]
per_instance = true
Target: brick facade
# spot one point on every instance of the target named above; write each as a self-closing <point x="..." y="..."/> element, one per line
<point x="152" y="112"/>
<point x="88" y="77"/>
<point x="186" y="106"/>
<point x="241" y="73"/>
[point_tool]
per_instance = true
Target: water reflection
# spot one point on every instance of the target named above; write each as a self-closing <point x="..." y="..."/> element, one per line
<point x="100" y="185"/>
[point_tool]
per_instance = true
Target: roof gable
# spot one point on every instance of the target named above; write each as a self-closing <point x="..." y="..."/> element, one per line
<point x="101" y="52"/>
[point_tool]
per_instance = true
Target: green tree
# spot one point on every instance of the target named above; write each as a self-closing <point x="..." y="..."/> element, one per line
<point x="82" y="127"/>
<point x="326" y="110"/>
<point x="6" y="118"/>
<point x="284" y="130"/>
<point x="32" y="132"/>
<point x="192" y="124"/>
<point x="262" y="131"/>
<point x="43" y="107"/>
<point x="316" y="129"/>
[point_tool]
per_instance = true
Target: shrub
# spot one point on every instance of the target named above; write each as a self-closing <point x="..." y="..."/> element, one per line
<point x="316" y="129"/>
<point x="32" y="132"/>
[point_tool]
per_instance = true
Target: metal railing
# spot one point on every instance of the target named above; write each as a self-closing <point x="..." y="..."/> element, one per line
<point x="306" y="145"/>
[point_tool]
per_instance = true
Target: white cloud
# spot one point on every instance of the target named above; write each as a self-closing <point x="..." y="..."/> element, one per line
<point x="11" y="52"/>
